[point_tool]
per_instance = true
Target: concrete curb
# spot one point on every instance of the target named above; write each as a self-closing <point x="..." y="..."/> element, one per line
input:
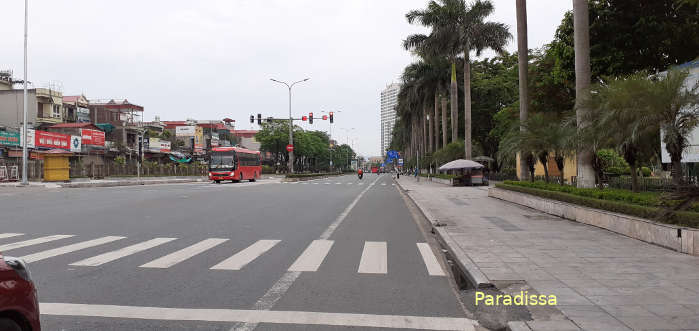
<point x="130" y="183"/>
<point x="303" y="179"/>
<point x="467" y="267"/>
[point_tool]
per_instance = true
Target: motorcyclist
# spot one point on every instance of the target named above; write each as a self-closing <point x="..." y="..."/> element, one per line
<point x="360" y="173"/>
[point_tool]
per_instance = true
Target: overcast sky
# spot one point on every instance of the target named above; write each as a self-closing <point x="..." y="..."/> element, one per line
<point x="209" y="60"/>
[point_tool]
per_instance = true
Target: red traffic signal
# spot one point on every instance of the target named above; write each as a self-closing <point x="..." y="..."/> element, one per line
<point x="310" y="118"/>
<point x="304" y="118"/>
<point x="331" y="117"/>
<point x="325" y="117"/>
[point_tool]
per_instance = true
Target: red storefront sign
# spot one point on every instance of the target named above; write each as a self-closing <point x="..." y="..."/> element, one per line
<point x="52" y="140"/>
<point x="92" y="137"/>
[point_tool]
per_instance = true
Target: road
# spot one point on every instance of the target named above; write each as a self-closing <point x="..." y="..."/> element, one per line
<point x="330" y="254"/>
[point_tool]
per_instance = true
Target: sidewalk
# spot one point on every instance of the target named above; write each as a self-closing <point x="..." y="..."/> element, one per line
<point x="115" y="181"/>
<point x="602" y="280"/>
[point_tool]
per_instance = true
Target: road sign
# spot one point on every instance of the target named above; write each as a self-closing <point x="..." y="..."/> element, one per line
<point x="290" y="148"/>
<point x="75" y="143"/>
<point x="400" y="162"/>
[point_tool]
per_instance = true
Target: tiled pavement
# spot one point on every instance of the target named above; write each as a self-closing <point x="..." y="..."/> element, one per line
<point x="602" y="280"/>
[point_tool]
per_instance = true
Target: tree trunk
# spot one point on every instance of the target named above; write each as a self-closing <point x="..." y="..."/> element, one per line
<point x="444" y="122"/>
<point x="676" y="172"/>
<point x="436" y="119"/>
<point x="522" y="57"/>
<point x="634" y="177"/>
<point x="423" y="119"/>
<point x="467" y="106"/>
<point x="581" y="26"/>
<point x="430" y="129"/>
<point x="453" y="91"/>
<point x="546" y="172"/>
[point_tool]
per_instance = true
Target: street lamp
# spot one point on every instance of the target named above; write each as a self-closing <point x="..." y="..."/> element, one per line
<point x="291" y="121"/>
<point x="24" y="124"/>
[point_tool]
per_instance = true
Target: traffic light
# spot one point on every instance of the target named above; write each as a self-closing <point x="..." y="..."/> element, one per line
<point x="140" y="146"/>
<point x="325" y="117"/>
<point x="252" y="118"/>
<point x="310" y="118"/>
<point x="304" y="118"/>
<point x="331" y="117"/>
<point x="269" y="119"/>
<point x="259" y="119"/>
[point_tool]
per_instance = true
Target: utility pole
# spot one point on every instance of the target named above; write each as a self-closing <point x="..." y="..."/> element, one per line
<point x="24" y="123"/>
<point x="291" y="121"/>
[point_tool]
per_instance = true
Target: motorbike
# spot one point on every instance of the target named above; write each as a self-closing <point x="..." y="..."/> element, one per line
<point x="360" y="176"/>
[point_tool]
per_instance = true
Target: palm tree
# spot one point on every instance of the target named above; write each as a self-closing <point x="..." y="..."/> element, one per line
<point x="581" y="26"/>
<point x="676" y="108"/>
<point x="442" y="16"/>
<point x="476" y="35"/>
<point x="523" y="48"/>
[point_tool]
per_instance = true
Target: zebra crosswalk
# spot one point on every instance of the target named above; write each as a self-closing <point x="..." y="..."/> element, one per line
<point x="374" y="257"/>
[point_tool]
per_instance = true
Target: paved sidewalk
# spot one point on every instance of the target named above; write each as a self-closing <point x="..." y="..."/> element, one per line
<point x="602" y="280"/>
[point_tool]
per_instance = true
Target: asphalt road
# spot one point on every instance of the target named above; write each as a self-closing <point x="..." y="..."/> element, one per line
<point x="331" y="254"/>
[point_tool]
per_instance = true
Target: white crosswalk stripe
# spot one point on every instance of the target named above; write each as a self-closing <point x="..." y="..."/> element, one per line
<point x="184" y="254"/>
<point x="374" y="258"/>
<point x="313" y="256"/>
<point x="69" y="248"/>
<point x="9" y="235"/>
<point x="34" y="241"/>
<point x="117" y="254"/>
<point x="242" y="258"/>
<point x="433" y="267"/>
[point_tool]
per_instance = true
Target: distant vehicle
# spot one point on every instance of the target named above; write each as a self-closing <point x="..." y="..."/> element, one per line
<point x="234" y="164"/>
<point x="374" y="170"/>
<point x="19" y="307"/>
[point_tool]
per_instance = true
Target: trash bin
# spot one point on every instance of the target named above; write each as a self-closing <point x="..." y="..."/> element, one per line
<point x="56" y="165"/>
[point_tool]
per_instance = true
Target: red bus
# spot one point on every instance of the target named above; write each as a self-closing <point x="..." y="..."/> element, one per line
<point x="234" y="164"/>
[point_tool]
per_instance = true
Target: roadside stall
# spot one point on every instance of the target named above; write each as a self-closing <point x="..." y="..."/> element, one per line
<point x="469" y="172"/>
<point x="56" y="165"/>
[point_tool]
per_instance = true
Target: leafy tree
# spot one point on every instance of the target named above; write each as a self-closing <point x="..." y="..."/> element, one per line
<point x="273" y="138"/>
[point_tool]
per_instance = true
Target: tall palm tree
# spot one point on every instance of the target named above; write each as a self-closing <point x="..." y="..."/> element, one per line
<point x="581" y="34"/>
<point x="476" y="35"/>
<point x="522" y="57"/>
<point x="442" y="16"/>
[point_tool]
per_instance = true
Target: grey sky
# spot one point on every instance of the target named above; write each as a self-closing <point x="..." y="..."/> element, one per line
<point x="213" y="59"/>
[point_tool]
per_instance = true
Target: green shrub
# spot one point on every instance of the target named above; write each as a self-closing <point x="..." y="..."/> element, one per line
<point x="442" y="176"/>
<point x="645" y="171"/>
<point x="267" y="169"/>
<point x="613" y="201"/>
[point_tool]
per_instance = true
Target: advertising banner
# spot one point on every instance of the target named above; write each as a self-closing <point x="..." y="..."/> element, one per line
<point x="199" y="140"/>
<point x="154" y="144"/>
<point x="185" y="131"/>
<point x="9" y="138"/>
<point x="92" y="137"/>
<point x="76" y="144"/>
<point x="83" y="115"/>
<point x="164" y="146"/>
<point x="52" y="140"/>
<point x="31" y="142"/>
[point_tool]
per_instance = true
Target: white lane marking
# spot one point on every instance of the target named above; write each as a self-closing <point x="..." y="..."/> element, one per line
<point x="360" y="184"/>
<point x="338" y="183"/>
<point x="313" y="256"/>
<point x="316" y="183"/>
<point x="69" y="248"/>
<point x="259" y="316"/>
<point x="433" y="267"/>
<point x="374" y="258"/>
<point x="327" y="183"/>
<point x="126" y="251"/>
<point x="350" y="183"/>
<point x="267" y="301"/>
<point x="34" y="241"/>
<point x="392" y="184"/>
<point x="9" y="235"/>
<point x="247" y="255"/>
<point x="184" y="254"/>
<point x="383" y="184"/>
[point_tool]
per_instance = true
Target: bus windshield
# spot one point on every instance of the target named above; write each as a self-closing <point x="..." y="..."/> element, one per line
<point x="222" y="160"/>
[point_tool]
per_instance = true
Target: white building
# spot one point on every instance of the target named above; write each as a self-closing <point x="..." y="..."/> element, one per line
<point x="389" y="101"/>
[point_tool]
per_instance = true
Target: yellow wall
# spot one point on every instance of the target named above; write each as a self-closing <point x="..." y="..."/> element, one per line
<point x="569" y="167"/>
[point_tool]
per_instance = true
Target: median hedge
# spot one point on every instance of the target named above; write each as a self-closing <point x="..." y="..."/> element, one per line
<point x="618" y="204"/>
<point x="441" y="176"/>
<point x="304" y="175"/>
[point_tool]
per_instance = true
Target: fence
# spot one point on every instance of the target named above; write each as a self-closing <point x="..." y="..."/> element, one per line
<point x="644" y="183"/>
<point x="35" y="169"/>
<point x="130" y="170"/>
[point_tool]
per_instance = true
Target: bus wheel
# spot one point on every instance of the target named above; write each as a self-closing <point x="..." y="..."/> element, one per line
<point x="253" y="177"/>
<point x="217" y="181"/>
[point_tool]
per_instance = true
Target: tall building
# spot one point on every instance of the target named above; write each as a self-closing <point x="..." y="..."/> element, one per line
<point x="389" y="101"/>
